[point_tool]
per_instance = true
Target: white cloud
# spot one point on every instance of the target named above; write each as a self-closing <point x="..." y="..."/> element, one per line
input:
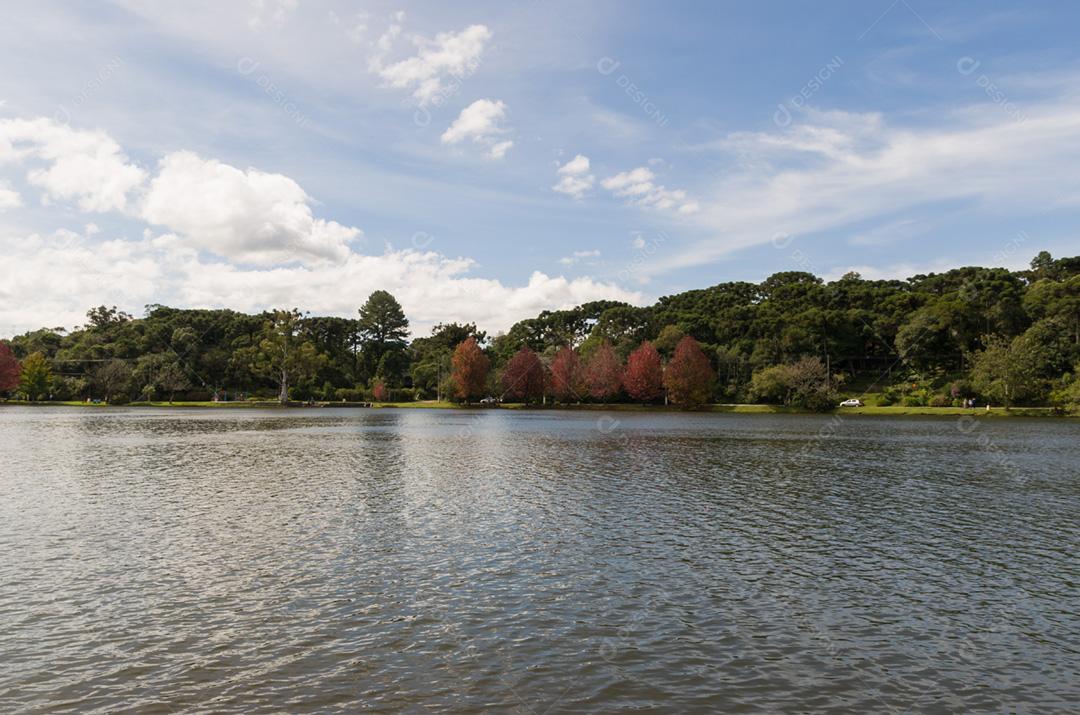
<point x="384" y="43"/>
<point x="639" y="186"/>
<point x="248" y="216"/>
<point x="838" y="169"/>
<point x="84" y="165"/>
<point x="499" y="149"/>
<point x="9" y="198"/>
<point x="479" y="122"/>
<point x="277" y="252"/>
<point x="896" y="271"/>
<point x="164" y="269"/>
<point x="355" y="30"/>
<point x="53" y="280"/>
<point x="451" y="55"/>
<point x="574" y="178"/>
<point x="578" y="257"/>
<point x="270" y="13"/>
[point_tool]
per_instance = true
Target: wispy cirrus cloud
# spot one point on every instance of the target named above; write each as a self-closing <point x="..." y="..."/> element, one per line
<point x="838" y="169"/>
<point x="580" y="257"/>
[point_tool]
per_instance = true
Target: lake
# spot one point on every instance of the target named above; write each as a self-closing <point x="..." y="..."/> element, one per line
<point x="536" y="562"/>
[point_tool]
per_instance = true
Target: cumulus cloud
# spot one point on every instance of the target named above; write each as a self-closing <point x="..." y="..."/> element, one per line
<point x="277" y="253"/>
<point x="639" y="186"/>
<point x="164" y="269"/>
<point x="52" y="280"/>
<point x="479" y="122"/>
<point x="428" y="73"/>
<point x="574" y="178"/>
<point x="248" y="216"/>
<point x="87" y="166"/>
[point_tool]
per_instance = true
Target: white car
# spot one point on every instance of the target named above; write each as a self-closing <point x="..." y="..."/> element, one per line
<point x="853" y="402"/>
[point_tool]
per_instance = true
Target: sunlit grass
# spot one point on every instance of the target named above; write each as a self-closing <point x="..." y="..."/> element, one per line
<point x="871" y="408"/>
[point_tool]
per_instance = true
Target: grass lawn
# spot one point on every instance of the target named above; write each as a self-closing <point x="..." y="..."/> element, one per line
<point x="940" y="411"/>
<point x="871" y="408"/>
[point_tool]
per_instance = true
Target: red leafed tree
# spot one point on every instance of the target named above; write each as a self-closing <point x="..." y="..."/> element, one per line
<point x="379" y="392"/>
<point x="689" y="378"/>
<point x="523" y="378"/>
<point x="604" y="373"/>
<point x="567" y="376"/>
<point x="469" y="369"/>
<point x="9" y="369"/>
<point x="644" y="376"/>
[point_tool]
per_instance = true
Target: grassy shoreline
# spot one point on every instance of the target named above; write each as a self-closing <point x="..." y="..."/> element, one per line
<point x="892" y="410"/>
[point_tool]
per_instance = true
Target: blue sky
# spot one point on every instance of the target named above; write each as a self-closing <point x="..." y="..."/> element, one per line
<point x="484" y="161"/>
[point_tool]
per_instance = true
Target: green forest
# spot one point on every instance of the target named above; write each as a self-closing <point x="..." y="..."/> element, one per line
<point x="986" y="334"/>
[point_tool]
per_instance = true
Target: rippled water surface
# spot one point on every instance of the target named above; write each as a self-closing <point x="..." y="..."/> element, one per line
<point x="536" y="562"/>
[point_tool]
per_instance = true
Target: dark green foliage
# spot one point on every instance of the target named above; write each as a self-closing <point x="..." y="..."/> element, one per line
<point x="916" y="341"/>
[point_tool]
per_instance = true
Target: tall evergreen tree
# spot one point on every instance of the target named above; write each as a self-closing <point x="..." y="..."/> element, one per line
<point x="383" y="329"/>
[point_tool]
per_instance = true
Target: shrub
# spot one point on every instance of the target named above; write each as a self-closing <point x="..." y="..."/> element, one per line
<point x="401" y="394"/>
<point x="891" y="395"/>
<point x="805" y="384"/>
<point x="1067" y="396"/>
<point x="941" y="401"/>
<point x="350" y="394"/>
<point x="961" y="389"/>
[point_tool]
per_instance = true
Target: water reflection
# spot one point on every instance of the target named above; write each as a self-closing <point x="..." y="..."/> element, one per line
<point x="391" y="560"/>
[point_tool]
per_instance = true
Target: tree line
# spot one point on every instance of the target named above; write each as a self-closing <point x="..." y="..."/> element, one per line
<point x="1007" y="337"/>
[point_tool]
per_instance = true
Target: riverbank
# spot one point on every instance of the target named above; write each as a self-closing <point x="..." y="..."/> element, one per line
<point x="892" y="410"/>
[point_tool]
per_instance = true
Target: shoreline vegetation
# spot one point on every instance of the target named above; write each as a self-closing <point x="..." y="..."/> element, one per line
<point x="939" y="344"/>
<point x="745" y="409"/>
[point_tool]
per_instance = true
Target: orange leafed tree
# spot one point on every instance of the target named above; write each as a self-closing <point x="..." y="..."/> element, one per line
<point x="523" y="377"/>
<point x="9" y="369"/>
<point x="469" y="369"/>
<point x="604" y="373"/>
<point x="689" y="378"/>
<point x="644" y="376"/>
<point x="567" y="376"/>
